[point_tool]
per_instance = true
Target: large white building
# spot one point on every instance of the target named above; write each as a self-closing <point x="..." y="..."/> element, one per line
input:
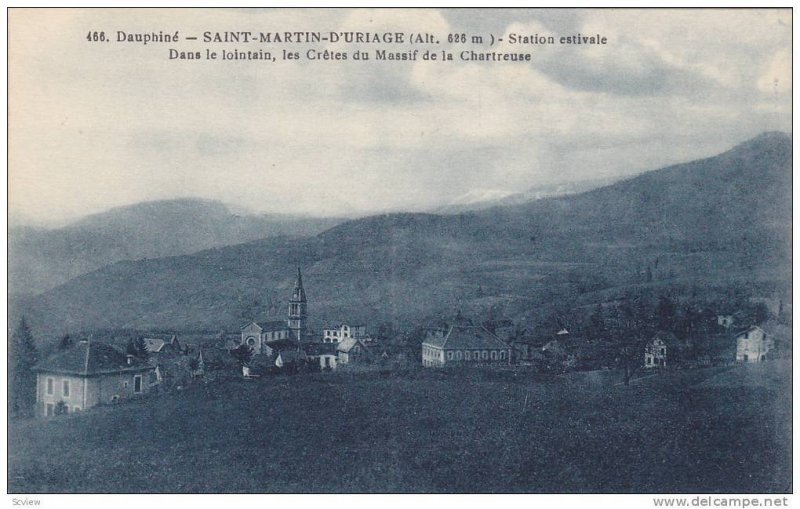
<point x="464" y="344"/>
<point x="338" y="333"/>
<point x="753" y="344"/>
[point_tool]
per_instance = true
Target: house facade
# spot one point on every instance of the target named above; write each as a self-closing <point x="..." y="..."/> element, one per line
<point x="338" y="333"/>
<point x="655" y="353"/>
<point x="89" y="374"/>
<point x="725" y="321"/>
<point x="464" y="344"/>
<point x="324" y="354"/>
<point x="753" y="344"/>
<point x="352" y="350"/>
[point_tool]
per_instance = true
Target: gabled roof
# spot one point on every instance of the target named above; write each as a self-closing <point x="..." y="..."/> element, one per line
<point x="154" y="345"/>
<point x="465" y="337"/>
<point x="89" y="358"/>
<point x="283" y="344"/>
<point x="291" y="356"/>
<point x="347" y="344"/>
<point x="273" y="325"/>
<point x="316" y="349"/>
<point x="748" y="329"/>
<point x="248" y="324"/>
<point x="268" y="326"/>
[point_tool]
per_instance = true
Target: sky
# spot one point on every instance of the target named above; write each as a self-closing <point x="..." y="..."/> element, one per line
<point x="94" y="126"/>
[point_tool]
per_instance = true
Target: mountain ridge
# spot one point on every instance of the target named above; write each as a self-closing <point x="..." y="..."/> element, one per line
<point x="713" y="223"/>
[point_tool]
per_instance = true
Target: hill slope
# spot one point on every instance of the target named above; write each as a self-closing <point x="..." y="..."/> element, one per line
<point x="716" y="222"/>
<point x="40" y="259"/>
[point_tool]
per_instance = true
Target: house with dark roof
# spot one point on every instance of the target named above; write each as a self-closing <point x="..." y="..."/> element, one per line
<point x="464" y="344"/>
<point x="323" y="353"/>
<point x="352" y="350"/>
<point x="88" y="374"/>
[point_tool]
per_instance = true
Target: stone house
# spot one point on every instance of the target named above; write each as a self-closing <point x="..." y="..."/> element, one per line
<point x="88" y="374"/>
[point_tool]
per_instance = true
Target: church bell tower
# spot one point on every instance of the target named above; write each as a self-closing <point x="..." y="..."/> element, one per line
<point x="297" y="310"/>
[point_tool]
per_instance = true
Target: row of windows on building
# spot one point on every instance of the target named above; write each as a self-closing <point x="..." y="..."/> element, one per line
<point x="50" y="409"/>
<point x="137" y="386"/>
<point x="467" y="355"/>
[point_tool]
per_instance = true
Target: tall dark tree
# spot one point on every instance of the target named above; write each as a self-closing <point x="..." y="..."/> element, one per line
<point x="137" y="347"/>
<point x="22" y="379"/>
<point x="632" y="326"/>
<point x="665" y="314"/>
<point x="66" y="342"/>
<point x="597" y="324"/>
<point x="243" y="354"/>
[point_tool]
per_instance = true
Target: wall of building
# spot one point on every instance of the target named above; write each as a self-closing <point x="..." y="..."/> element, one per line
<point x="102" y="389"/>
<point x="74" y="400"/>
<point x="437" y="357"/>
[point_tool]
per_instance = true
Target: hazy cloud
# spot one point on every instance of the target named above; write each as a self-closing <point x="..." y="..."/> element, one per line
<point x="95" y="127"/>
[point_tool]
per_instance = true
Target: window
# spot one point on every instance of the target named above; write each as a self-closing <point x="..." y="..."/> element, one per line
<point x="50" y="387"/>
<point x="467" y="355"/>
<point x="125" y="384"/>
<point x="485" y="355"/>
<point x="65" y="388"/>
<point x="449" y="356"/>
<point x="502" y="355"/>
<point x="137" y="384"/>
<point x="48" y="409"/>
<point x="494" y="355"/>
<point x="458" y="355"/>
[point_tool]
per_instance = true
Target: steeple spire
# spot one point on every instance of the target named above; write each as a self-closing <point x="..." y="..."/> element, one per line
<point x="297" y="309"/>
<point x="299" y="294"/>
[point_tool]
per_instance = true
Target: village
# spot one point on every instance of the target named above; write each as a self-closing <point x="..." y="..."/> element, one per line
<point x="91" y="372"/>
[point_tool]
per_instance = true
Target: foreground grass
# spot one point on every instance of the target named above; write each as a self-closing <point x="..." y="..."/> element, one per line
<point x="426" y="431"/>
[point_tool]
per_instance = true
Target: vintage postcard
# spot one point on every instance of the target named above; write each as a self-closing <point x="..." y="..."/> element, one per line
<point x="432" y="250"/>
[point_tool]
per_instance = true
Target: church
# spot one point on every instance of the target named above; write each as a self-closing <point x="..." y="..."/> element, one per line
<point x="263" y="337"/>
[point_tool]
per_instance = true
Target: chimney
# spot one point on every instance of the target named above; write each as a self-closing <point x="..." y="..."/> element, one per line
<point x="129" y="358"/>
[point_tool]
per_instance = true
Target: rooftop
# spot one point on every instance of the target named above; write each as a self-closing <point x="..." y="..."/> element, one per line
<point x="90" y="358"/>
<point x="465" y="337"/>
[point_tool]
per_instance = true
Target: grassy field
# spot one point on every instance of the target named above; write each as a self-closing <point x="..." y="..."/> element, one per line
<point x="709" y="430"/>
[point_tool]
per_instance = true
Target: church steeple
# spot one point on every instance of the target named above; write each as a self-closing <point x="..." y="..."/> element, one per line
<point x="297" y="309"/>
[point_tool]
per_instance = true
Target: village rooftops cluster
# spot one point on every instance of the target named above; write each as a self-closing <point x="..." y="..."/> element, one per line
<point x="91" y="373"/>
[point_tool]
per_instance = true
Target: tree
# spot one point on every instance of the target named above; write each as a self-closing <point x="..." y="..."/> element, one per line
<point x="597" y="324"/>
<point x="243" y="353"/>
<point x="137" y="347"/>
<point x="23" y="354"/>
<point x="632" y="327"/>
<point x="386" y="331"/>
<point x="665" y="314"/>
<point x="60" y="408"/>
<point x="194" y="365"/>
<point x="65" y="343"/>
